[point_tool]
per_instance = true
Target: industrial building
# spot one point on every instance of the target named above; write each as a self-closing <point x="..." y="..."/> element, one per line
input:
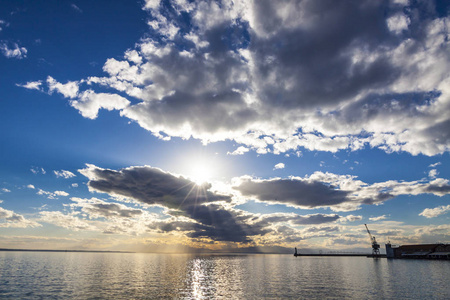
<point x="424" y="251"/>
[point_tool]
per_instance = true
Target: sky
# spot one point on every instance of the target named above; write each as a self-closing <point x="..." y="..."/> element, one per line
<point x="224" y="125"/>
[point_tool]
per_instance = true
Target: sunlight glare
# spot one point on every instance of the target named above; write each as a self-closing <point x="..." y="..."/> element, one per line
<point x="201" y="172"/>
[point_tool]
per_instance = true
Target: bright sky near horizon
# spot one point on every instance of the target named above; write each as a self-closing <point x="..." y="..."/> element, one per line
<point x="151" y="125"/>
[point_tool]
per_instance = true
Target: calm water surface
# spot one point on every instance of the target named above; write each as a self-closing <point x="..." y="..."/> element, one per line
<point x="54" y="275"/>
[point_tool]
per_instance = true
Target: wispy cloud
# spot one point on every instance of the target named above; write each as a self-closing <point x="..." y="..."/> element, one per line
<point x="52" y="195"/>
<point x="31" y="85"/>
<point x="76" y="8"/>
<point x="13" y="52"/>
<point x="37" y="170"/>
<point x="64" y="174"/>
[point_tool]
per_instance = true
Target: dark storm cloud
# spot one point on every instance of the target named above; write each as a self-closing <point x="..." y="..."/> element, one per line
<point x="195" y="211"/>
<point x="98" y="208"/>
<point x="154" y="186"/>
<point x="151" y="186"/>
<point x="441" y="189"/>
<point x="298" y="219"/>
<point x="317" y="57"/>
<point x="303" y="193"/>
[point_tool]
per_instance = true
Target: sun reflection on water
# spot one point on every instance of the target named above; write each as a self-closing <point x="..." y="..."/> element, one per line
<point x="197" y="279"/>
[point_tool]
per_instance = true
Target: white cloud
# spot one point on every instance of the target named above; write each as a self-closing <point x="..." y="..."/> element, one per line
<point x="75" y="185"/>
<point x="68" y="90"/>
<point x="435" y="165"/>
<point x="30" y="186"/>
<point x="279" y="166"/>
<point x="152" y="4"/>
<point x="133" y="56"/>
<point x="36" y="170"/>
<point x="64" y="174"/>
<point x="14" y="52"/>
<point x="52" y="195"/>
<point x="383" y="217"/>
<point x="398" y="23"/>
<point x="241" y="150"/>
<point x="61" y="193"/>
<point x="434" y="212"/>
<point x="65" y="220"/>
<point x="11" y="219"/>
<point x="90" y="103"/>
<point x="5" y="190"/>
<point x="31" y="85"/>
<point x="433" y="173"/>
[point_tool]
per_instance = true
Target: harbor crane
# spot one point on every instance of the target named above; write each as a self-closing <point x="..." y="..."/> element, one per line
<point x="375" y="245"/>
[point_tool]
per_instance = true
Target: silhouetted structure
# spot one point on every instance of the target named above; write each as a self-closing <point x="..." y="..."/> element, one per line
<point x="423" y="251"/>
<point x="375" y="245"/>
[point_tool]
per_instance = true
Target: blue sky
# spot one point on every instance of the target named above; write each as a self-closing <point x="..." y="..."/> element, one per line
<point x="155" y="125"/>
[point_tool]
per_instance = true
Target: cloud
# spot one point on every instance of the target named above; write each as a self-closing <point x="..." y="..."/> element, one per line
<point x="434" y="212"/>
<point x="194" y="210"/>
<point x="36" y="170"/>
<point x="301" y="193"/>
<point x="15" y="52"/>
<point x="68" y="90"/>
<point x="398" y="23"/>
<point x="383" y="217"/>
<point x="61" y="193"/>
<point x="89" y="103"/>
<point x="3" y="23"/>
<point x="435" y="165"/>
<point x="10" y="219"/>
<point x="278" y="166"/>
<point x="338" y="192"/>
<point x="64" y="174"/>
<point x="31" y="85"/>
<point x="150" y="185"/>
<point x="241" y="150"/>
<point x="76" y="8"/>
<point x="350" y="218"/>
<point x="65" y="220"/>
<point x="278" y="78"/>
<point x="5" y="190"/>
<point x="97" y="208"/>
<point x="433" y="173"/>
<point x="52" y="195"/>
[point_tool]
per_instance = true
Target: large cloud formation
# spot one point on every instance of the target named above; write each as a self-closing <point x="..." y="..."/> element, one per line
<point x="328" y="190"/>
<point x="198" y="213"/>
<point x="279" y="75"/>
<point x="194" y="210"/>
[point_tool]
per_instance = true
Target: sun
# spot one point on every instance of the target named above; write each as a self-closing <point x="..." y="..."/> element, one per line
<point x="201" y="172"/>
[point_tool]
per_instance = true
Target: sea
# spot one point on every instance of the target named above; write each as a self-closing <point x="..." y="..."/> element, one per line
<point x="83" y="275"/>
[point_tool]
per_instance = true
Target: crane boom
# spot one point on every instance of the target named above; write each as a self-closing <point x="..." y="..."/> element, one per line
<point x="368" y="231"/>
<point x="375" y="245"/>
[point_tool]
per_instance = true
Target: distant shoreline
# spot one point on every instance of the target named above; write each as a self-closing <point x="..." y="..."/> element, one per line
<point x="339" y="254"/>
<point x="47" y="250"/>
